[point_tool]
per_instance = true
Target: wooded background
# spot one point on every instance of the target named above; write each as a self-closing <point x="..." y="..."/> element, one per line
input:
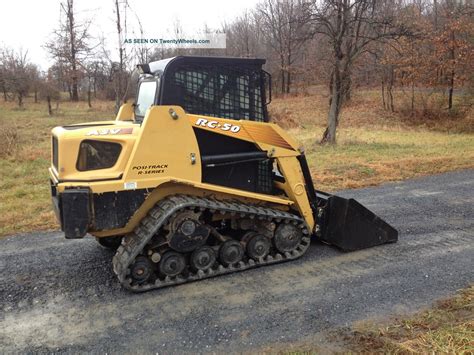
<point x="424" y="49"/>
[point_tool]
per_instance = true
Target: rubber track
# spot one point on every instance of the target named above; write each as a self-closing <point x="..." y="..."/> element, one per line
<point x="135" y="242"/>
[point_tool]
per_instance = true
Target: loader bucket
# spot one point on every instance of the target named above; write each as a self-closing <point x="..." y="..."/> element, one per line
<point x="350" y="226"/>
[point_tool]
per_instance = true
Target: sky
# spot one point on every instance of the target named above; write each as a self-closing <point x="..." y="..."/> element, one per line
<point x="28" y="24"/>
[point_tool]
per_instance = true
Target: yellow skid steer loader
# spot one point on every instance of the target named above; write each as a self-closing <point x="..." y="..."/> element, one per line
<point x="192" y="181"/>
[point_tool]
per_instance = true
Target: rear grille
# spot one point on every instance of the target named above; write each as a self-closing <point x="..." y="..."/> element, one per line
<point x="54" y="145"/>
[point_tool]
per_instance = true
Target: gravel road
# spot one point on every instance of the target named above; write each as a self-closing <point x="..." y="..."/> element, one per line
<point x="60" y="295"/>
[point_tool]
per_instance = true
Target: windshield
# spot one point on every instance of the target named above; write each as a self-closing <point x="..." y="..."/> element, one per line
<point x="146" y="97"/>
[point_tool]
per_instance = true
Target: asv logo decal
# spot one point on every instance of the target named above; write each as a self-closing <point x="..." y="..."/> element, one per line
<point x="106" y="131"/>
<point x="217" y="125"/>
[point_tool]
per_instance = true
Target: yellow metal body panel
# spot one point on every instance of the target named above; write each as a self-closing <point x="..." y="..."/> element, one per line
<point x="162" y="156"/>
<point x="264" y="134"/>
<point x="126" y="113"/>
<point x="164" y="148"/>
<point x="69" y="144"/>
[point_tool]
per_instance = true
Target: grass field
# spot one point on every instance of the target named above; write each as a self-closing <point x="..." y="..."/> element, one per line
<point x="446" y="328"/>
<point x="373" y="147"/>
<point x="25" y="202"/>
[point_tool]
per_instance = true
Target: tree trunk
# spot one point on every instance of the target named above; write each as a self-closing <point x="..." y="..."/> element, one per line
<point x="20" y="100"/>
<point x="119" y="92"/>
<point x="348" y="89"/>
<point x="383" y="94"/>
<point x="89" y="95"/>
<point x="75" y="91"/>
<point x="288" y="81"/>
<point x="329" y="135"/>
<point x="282" y="76"/>
<point x="390" y="96"/>
<point x="450" y="92"/>
<point x="451" y="78"/>
<point x="50" y="110"/>
<point x="390" y="90"/>
<point x="72" y="35"/>
<point x="36" y="96"/>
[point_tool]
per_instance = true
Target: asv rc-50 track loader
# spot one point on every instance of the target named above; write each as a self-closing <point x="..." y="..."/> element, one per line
<point x="192" y="181"/>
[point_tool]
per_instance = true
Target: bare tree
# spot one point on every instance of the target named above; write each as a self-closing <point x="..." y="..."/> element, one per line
<point x="244" y="36"/>
<point x="350" y="26"/>
<point x="17" y="78"/>
<point x="455" y="40"/>
<point x="35" y="80"/>
<point x="142" y="52"/>
<point x="48" y="90"/>
<point x="70" y="45"/>
<point x="119" y="72"/>
<point x="285" y="25"/>
<point x="3" y="74"/>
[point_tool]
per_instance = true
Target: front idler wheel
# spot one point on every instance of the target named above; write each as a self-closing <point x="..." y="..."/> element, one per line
<point x="203" y="258"/>
<point x="231" y="252"/>
<point x="258" y="247"/>
<point x="141" y="269"/>
<point x="172" y="263"/>
<point x="287" y="237"/>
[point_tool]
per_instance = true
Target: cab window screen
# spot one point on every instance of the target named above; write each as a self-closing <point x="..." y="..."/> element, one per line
<point x="220" y="91"/>
<point x="94" y="155"/>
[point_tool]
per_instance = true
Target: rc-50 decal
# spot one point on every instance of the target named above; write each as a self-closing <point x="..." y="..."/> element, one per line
<point x="216" y="124"/>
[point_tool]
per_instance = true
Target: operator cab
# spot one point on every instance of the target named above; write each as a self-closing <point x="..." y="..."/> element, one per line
<point x="235" y="88"/>
<point x="232" y="88"/>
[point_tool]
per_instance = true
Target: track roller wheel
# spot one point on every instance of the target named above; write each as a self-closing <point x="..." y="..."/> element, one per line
<point x="231" y="252"/>
<point x="141" y="269"/>
<point x="287" y="237"/>
<point x="110" y="242"/>
<point x="258" y="247"/>
<point x="172" y="263"/>
<point x="202" y="258"/>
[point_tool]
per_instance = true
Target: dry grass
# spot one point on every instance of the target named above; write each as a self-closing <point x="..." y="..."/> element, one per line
<point x="369" y="157"/>
<point x="374" y="147"/>
<point x="447" y="327"/>
<point x="366" y="109"/>
<point x="24" y="188"/>
<point x="9" y="141"/>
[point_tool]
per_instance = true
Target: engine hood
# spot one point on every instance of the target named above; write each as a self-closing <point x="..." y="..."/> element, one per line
<point x="67" y="140"/>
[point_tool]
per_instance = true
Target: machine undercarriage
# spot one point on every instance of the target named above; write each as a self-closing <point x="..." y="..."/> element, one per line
<point x="186" y="238"/>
